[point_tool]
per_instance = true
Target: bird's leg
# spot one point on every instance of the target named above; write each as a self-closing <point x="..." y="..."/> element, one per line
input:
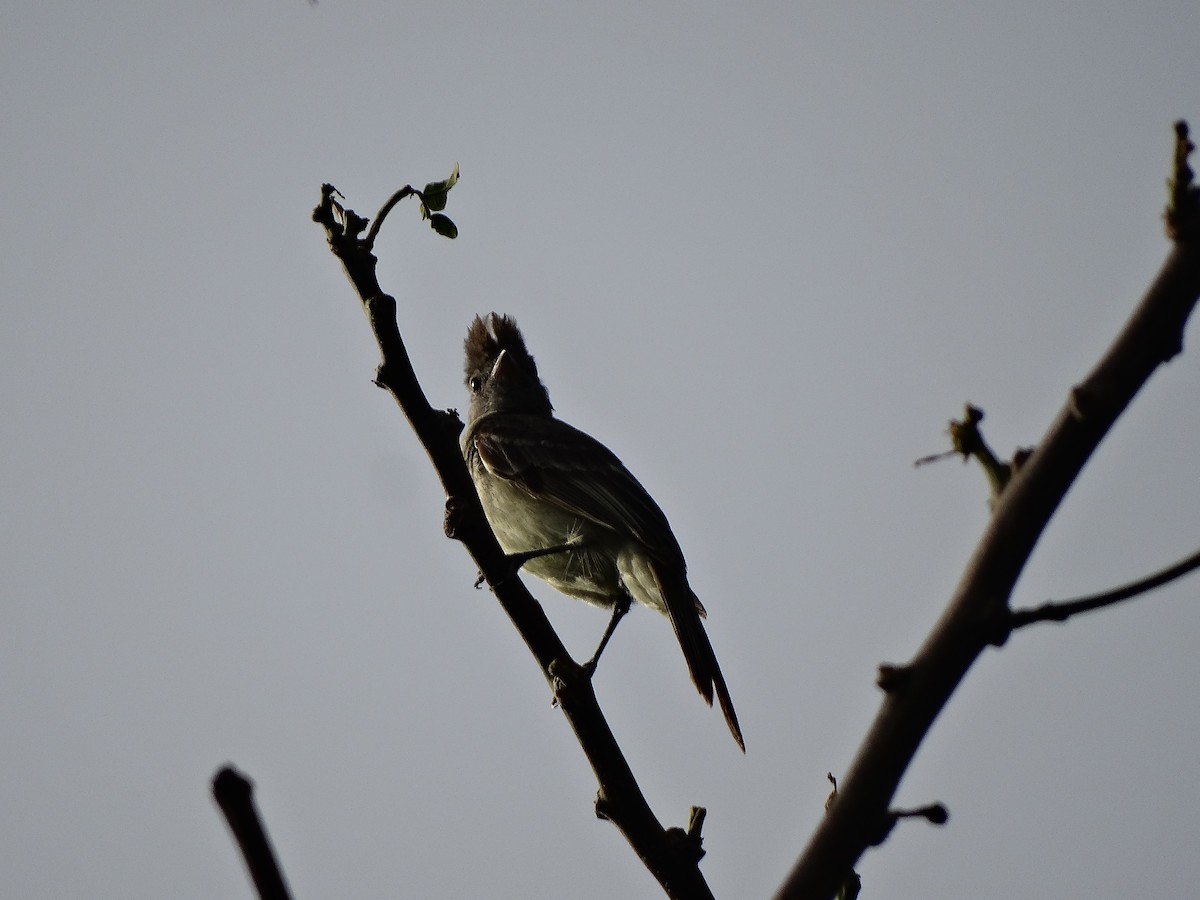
<point x="517" y="560"/>
<point x="619" y="609"/>
<point x="574" y="541"/>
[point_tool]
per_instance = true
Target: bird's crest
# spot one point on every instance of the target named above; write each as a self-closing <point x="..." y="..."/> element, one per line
<point x="487" y="336"/>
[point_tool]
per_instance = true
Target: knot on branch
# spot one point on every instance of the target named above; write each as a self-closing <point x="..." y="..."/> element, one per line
<point x="454" y="518"/>
<point x="688" y="843"/>
<point x="461" y="521"/>
<point x="889" y="678"/>
<point x="566" y="678"/>
<point x="450" y="421"/>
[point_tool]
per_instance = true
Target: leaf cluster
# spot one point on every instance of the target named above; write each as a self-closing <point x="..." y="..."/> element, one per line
<point x="433" y="201"/>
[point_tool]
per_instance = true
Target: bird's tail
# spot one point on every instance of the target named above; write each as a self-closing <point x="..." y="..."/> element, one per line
<point x="698" y="651"/>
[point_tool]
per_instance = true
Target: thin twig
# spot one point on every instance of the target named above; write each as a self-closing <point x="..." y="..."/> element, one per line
<point x="407" y="191"/>
<point x="1060" y="611"/>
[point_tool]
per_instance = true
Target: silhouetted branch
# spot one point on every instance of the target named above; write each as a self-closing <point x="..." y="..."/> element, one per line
<point x="933" y="813"/>
<point x="919" y="690"/>
<point x="670" y="855"/>
<point x="1062" y="610"/>
<point x="966" y="439"/>
<point x="234" y="794"/>
<point x="406" y="191"/>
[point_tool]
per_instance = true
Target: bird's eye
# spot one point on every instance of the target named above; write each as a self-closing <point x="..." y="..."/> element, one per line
<point x="475" y="384"/>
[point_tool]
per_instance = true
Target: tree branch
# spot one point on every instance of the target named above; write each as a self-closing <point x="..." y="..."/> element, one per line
<point x="1062" y="610"/>
<point x="672" y="856"/>
<point x="967" y="441"/>
<point x="234" y="794"/>
<point x="916" y="693"/>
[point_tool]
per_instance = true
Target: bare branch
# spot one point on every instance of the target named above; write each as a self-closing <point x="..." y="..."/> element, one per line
<point x="1060" y="611"/>
<point x="670" y="855"/>
<point x="1152" y="336"/>
<point x="369" y="240"/>
<point x="234" y="794"/>
<point x="934" y="813"/>
<point x="966" y="439"/>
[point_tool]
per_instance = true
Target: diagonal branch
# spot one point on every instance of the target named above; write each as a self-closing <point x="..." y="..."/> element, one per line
<point x="234" y="794"/>
<point x="916" y="693"/>
<point x="671" y="855"/>
<point x="1062" y="610"/>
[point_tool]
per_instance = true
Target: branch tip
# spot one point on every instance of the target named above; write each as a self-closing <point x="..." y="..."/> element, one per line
<point x="1182" y="215"/>
<point x="934" y="813"/>
<point x="833" y="793"/>
<point x="234" y="794"/>
<point x="696" y="816"/>
<point x="966" y="440"/>
<point x="228" y="780"/>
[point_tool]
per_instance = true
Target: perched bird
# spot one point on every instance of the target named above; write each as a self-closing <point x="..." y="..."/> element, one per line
<point x="564" y="505"/>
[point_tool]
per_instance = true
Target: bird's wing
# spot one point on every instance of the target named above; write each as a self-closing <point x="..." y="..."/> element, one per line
<point x="564" y="466"/>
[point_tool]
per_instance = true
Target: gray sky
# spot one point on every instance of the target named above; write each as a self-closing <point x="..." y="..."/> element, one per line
<point x="764" y="252"/>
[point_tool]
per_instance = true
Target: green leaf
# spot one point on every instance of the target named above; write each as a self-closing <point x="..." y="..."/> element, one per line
<point x="443" y="226"/>
<point x="435" y="192"/>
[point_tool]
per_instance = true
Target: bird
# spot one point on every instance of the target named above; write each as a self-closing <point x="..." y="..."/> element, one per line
<point x="566" y="509"/>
